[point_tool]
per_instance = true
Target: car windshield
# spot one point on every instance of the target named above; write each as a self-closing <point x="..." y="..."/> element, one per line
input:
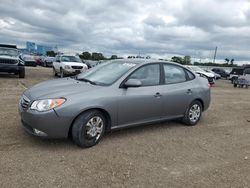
<point x="107" y="73"/>
<point x="70" y="59"/>
<point x="8" y="52"/>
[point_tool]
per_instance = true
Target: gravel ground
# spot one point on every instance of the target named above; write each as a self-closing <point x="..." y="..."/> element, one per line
<point x="215" y="153"/>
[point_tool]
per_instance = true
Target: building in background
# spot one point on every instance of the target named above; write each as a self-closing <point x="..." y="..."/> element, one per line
<point x="33" y="48"/>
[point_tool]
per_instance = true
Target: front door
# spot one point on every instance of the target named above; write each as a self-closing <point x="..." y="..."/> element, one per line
<point x="142" y="104"/>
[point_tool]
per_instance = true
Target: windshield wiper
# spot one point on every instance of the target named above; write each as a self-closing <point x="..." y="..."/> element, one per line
<point x="85" y="80"/>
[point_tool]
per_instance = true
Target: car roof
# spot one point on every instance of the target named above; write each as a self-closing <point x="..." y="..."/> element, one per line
<point x="145" y="61"/>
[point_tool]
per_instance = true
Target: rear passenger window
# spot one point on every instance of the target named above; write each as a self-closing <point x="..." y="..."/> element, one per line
<point x="174" y="74"/>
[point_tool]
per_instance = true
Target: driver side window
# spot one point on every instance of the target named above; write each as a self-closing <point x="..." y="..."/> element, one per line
<point x="149" y="75"/>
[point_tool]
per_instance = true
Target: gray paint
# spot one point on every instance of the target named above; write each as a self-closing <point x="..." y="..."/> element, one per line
<point x="125" y="106"/>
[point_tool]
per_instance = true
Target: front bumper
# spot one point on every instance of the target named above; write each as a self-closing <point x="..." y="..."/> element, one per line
<point x="48" y="123"/>
<point x="72" y="71"/>
<point x="10" y="68"/>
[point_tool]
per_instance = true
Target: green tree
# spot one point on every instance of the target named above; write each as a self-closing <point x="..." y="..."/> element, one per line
<point x="232" y="61"/>
<point x="85" y="55"/>
<point x="51" y="54"/>
<point x="227" y="60"/>
<point x="187" y="60"/>
<point x="177" y="59"/>
<point x="114" y="57"/>
<point x="97" y="56"/>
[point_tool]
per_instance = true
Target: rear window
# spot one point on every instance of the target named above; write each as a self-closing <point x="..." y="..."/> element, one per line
<point x="247" y="71"/>
<point x="237" y="71"/>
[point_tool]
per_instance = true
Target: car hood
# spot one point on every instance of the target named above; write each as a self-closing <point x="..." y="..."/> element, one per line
<point x="205" y="73"/>
<point x="8" y="57"/>
<point x="73" y="63"/>
<point x="59" y="88"/>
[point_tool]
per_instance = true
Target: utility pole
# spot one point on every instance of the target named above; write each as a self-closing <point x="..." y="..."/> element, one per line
<point x="215" y="53"/>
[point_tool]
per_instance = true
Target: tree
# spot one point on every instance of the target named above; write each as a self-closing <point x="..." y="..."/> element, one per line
<point x="51" y="54"/>
<point x="97" y="56"/>
<point x="187" y="60"/>
<point x="85" y="55"/>
<point x="227" y="60"/>
<point x="177" y="59"/>
<point x="232" y="61"/>
<point x="114" y="57"/>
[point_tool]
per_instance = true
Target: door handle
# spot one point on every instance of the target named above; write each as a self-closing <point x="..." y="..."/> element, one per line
<point x="189" y="91"/>
<point x="157" y="95"/>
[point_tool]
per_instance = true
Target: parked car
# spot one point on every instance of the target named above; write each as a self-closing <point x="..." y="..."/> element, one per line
<point x="221" y="72"/>
<point x="10" y="61"/>
<point x="243" y="80"/>
<point x="91" y="63"/>
<point x="111" y="96"/>
<point x="216" y="76"/>
<point x="235" y="73"/>
<point x="68" y="65"/>
<point x="48" y="61"/>
<point x="29" y="60"/>
<point x="210" y="77"/>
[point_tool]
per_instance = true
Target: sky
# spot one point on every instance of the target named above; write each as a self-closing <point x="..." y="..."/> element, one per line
<point x="161" y="28"/>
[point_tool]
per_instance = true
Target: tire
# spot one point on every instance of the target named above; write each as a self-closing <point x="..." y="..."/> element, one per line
<point x="80" y="135"/>
<point x="22" y="73"/>
<point x="61" y="73"/>
<point x="189" y="119"/>
<point x="54" y="72"/>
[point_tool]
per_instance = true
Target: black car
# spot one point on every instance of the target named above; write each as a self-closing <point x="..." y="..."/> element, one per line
<point x="235" y="73"/>
<point x="10" y="61"/>
<point x="221" y="72"/>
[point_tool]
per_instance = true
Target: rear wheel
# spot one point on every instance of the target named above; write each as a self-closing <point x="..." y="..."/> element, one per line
<point x="193" y="113"/>
<point x="88" y="128"/>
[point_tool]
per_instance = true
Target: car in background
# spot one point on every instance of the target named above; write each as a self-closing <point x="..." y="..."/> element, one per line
<point x="29" y="60"/>
<point x="65" y="65"/>
<point x="217" y="76"/>
<point x="48" y="61"/>
<point x="235" y="73"/>
<point x="210" y="76"/>
<point x="243" y="80"/>
<point x="111" y="96"/>
<point x="221" y="72"/>
<point x="10" y="61"/>
<point x="91" y="63"/>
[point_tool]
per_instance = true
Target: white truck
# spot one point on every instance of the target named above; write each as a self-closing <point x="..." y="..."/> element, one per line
<point x="65" y="65"/>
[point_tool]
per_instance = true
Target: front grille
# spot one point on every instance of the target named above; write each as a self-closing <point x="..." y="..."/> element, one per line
<point x="76" y="67"/>
<point x="25" y="102"/>
<point x="8" y="61"/>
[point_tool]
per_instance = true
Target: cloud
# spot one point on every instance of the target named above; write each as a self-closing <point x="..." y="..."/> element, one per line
<point x="156" y="28"/>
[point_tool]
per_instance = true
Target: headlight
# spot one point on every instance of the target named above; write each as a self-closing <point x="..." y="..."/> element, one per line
<point x="47" y="104"/>
<point x="67" y="67"/>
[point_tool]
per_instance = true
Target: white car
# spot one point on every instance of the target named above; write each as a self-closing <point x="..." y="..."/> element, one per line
<point x="210" y="76"/>
<point x="68" y="65"/>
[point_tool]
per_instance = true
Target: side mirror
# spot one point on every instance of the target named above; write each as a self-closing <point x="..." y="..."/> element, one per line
<point x="132" y="83"/>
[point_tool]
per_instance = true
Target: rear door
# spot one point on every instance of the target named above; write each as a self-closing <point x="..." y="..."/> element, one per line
<point x="142" y="104"/>
<point x="178" y="90"/>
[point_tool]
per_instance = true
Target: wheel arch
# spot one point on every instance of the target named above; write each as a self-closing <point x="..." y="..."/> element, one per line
<point x="201" y="101"/>
<point x="103" y="111"/>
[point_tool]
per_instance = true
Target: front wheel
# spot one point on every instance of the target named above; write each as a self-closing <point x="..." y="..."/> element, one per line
<point x="88" y="128"/>
<point x="193" y="113"/>
<point x="61" y="73"/>
<point x="22" y="73"/>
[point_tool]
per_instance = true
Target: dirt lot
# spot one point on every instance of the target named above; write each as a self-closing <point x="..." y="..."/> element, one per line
<point x="215" y="153"/>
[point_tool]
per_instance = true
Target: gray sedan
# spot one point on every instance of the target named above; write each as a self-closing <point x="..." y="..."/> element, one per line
<point x="114" y="95"/>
